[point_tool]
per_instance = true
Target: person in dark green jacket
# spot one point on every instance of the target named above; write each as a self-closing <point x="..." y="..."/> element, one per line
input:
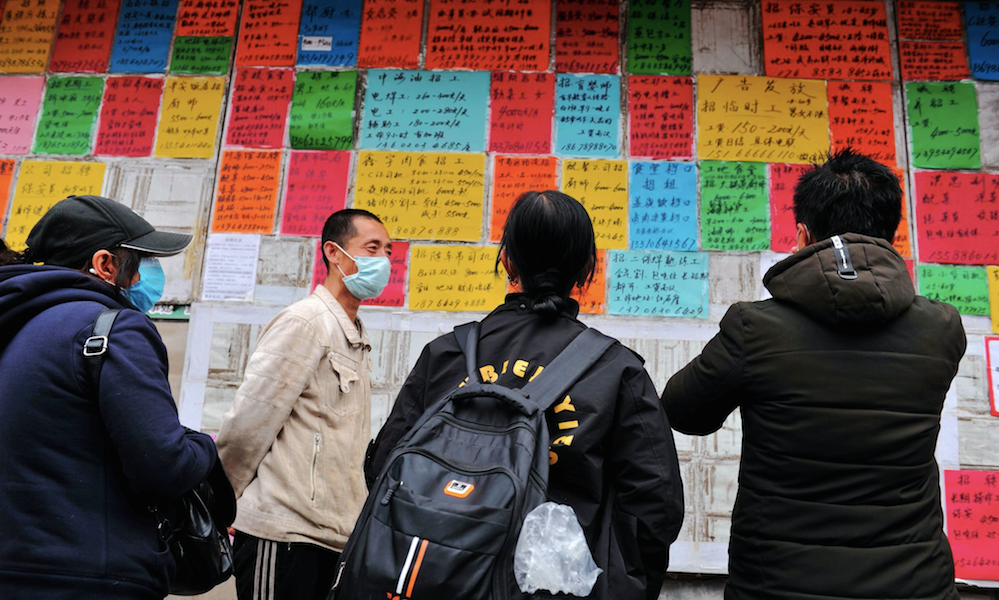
<point x="840" y="379"/>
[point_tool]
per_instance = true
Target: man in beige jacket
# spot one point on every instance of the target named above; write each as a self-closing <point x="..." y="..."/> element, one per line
<point x="294" y="441"/>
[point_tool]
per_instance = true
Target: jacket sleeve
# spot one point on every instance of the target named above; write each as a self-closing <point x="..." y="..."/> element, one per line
<point x="159" y="458"/>
<point x="701" y="395"/>
<point x="287" y="355"/>
<point x="648" y="487"/>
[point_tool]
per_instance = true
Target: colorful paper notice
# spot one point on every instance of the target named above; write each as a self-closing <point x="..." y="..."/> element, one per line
<point x="933" y="61"/>
<point x="663" y="211"/>
<point x="661" y="116"/>
<point x="68" y="115"/>
<point x="423" y="196"/>
<point x="329" y="32"/>
<point x="657" y="284"/>
<point x="315" y="188"/>
<point x="983" y="39"/>
<point x="957" y="217"/>
<point x="390" y="34"/>
<point x="83" y="41"/>
<point x="586" y="36"/>
<point x="783" y="229"/>
<point x="260" y="99"/>
<point x="602" y="187"/>
<point x="587" y="111"/>
<point x="268" y="33"/>
<point x="394" y="293"/>
<point x="247" y="193"/>
<point x="992" y="274"/>
<point x="521" y="105"/>
<point x="201" y="55"/>
<point x="420" y="110"/>
<point x="972" y="500"/>
<point x="943" y="118"/>
<point x="846" y="39"/>
<point x="861" y="116"/>
<point x="190" y="117"/>
<point x="734" y="210"/>
<point x="207" y="18"/>
<point x="128" y="116"/>
<point x="142" y="38"/>
<point x="929" y="20"/>
<point x="20" y="98"/>
<point x="7" y="166"/>
<point x="592" y="298"/>
<point x="965" y="288"/>
<point x="484" y="35"/>
<point x="455" y="278"/>
<point x="26" y="31"/>
<point x="322" y="109"/>
<point x="230" y="268"/>
<point x="659" y="37"/>
<point x="319" y="271"/>
<point x="42" y="184"/>
<point x="903" y="241"/>
<point x="514" y="175"/>
<point x="773" y="120"/>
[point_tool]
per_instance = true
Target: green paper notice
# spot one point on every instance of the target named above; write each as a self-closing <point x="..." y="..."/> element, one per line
<point x="734" y="210"/>
<point x="965" y="288"/>
<point x="659" y="37"/>
<point x="321" y="109"/>
<point x="69" y="112"/>
<point x="943" y="118"/>
<point x="201" y="55"/>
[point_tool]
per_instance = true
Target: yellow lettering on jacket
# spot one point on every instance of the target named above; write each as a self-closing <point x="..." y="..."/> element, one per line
<point x="488" y="373"/>
<point x="564" y="405"/>
<point x="536" y="373"/>
<point x="520" y="368"/>
<point x="568" y="425"/>
<point x="506" y="363"/>
<point x="565" y="440"/>
<point x="552" y="458"/>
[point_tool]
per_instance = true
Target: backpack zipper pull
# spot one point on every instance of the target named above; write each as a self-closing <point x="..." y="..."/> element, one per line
<point x="390" y="492"/>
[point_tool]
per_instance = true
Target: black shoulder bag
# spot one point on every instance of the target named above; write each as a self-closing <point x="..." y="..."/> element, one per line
<point x="194" y="525"/>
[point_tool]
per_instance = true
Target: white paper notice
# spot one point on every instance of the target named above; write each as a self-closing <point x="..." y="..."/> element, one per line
<point x="767" y="260"/>
<point x="230" y="268"/>
<point x="992" y="360"/>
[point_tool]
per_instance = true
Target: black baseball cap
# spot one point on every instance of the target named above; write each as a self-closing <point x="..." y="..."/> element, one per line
<point x="72" y="230"/>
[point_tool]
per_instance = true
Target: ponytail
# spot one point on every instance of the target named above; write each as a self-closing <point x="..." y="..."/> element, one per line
<point x="11" y="257"/>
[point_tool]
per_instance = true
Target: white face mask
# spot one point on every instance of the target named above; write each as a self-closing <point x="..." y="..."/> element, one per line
<point x="371" y="278"/>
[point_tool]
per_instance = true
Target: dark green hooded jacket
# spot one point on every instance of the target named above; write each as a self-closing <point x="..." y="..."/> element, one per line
<point x="840" y="383"/>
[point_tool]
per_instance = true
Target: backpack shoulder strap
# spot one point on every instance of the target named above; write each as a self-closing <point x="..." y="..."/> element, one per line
<point x="566" y="368"/>
<point x="467" y="336"/>
<point x="97" y="344"/>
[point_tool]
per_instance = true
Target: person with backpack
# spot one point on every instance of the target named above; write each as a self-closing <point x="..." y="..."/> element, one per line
<point x="611" y="456"/>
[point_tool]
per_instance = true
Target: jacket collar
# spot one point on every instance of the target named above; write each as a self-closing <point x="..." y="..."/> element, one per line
<point x="522" y="302"/>
<point x="355" y="332"/>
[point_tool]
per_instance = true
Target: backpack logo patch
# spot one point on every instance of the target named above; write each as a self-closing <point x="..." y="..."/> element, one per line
<point x="458" y="489"/>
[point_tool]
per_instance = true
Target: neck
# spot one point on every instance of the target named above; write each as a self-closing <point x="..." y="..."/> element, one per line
<point x="347" y="300"/>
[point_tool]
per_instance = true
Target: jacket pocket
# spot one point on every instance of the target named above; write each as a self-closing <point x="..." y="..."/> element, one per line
<point x="316" y="447"/>
<point x="347" y="373"/>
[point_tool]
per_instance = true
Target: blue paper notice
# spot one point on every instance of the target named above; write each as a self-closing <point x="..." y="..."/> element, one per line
<point x="329" y="32"/>
<point x="663" y="200"/>
<point x="425" y="111"/>
<point x="662" y="284"/>
<point x="142" y="39"/>
<point x="587" y="111"/>
<point x="983" y="38"/>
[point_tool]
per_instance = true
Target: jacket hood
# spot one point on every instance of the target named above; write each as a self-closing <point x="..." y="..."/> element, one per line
<point x="810" y="280"/>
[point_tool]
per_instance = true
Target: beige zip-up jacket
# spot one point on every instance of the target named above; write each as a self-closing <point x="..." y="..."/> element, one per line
<point x="294" y="440"/>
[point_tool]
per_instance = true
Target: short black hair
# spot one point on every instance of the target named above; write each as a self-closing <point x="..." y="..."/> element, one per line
<point x="549" y="238"/>
<point x="850" y="193"/>
<point x="340" y="228"/>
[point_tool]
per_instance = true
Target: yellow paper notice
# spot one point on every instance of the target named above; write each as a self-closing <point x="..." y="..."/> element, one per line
<point x="602" y="187"/>
<point x="992" y="274"/>
<point x="455" y="278"/>
<point x="41" y="184"/>
<point x="761" y="119"/>
<point x="26" y="31"/>
<point x="423" y="196"/>
<point x="190" y="117"/>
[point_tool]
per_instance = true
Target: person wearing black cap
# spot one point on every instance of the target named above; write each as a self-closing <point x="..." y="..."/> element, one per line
<point x="80" y="460"/>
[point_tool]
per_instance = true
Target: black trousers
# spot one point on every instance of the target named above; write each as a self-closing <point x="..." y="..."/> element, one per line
<point x="268" y="570"/>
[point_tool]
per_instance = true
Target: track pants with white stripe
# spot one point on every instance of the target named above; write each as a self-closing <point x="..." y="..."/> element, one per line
<point x="268" y="570"/>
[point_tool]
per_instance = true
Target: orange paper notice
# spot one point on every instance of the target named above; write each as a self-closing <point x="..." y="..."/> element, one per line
<point x="861" y="115"/>
<point x="593" y="297"/>
<point x="486" y="35"/>
<point x="268" y="35"/>
<point x="602" y="187"/>
<point x="390" y="34"/>
<point x="922" y="20"/>
<point x="246" y="198"/>
<point x="512" y="176"/>
<point x="6" y="175"/>
<point x="40" y="184"/>
<point x="26" y="31"/>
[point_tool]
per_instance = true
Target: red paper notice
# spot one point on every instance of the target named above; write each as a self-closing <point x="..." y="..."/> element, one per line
<point x="83" y="40"/>
<point x="514" y="175"/>
<point x="929" y="20"/>
<point x="390" y="34"/>
<point x="783" y="229"/>
<point x="957" y="217"/>
<point x="259" y="111"/>
<point x="268" y="35"/>
<point x="128" y="116"/>
<point x="315" y="188"/>
<point x="246" y="197"/>
<point x="661" y="114"/>
<point x="207" y="18"/>
<point x="522" y="107"/>
<point x="972" y="501"/>
<point x="861" y="116"/>
<point x="486" y="35"/>
<point x="933" y="61"/>
<point x="593" y="298"/>
<point x="394" y="293"/>
<point x="586" y="36"/>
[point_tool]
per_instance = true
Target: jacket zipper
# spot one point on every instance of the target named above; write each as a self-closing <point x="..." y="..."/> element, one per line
<point x="315" y="460"/>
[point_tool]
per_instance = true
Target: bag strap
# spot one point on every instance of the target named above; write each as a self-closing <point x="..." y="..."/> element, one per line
<point x="566" y="368"/>
<point x="467" y="336"/>
<point x="96" y="345"/>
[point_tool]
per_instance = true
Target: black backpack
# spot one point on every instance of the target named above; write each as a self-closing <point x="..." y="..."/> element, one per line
<point x="444" y="515"/>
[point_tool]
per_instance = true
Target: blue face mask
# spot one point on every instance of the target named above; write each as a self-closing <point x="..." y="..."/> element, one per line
<point x="371" y="278"/>
<point x="149" y="289"/>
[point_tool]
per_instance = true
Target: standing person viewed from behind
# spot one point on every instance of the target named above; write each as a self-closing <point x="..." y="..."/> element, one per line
<point x="612" y="456"/>
<point x="293" y="442"/>
<point x="81" y="461"/>
<point x="840" y="379"/>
